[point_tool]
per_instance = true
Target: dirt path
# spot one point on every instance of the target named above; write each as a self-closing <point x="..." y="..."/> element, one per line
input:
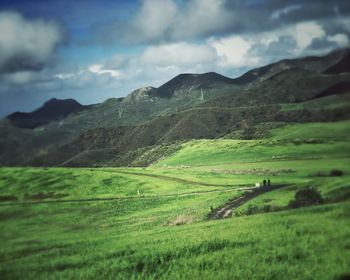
<point x="225" y="211"/>
<point x="223" y="188"/>
<point x="104" y="199"/>
<point x="174" y="179"/>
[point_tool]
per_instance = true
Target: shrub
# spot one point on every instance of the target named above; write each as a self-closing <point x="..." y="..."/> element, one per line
<point x="306" y="197"/>
<point x="8" y="198"/>
<point x="336" y="172"/>
<point x="252" y="209"/>
<point x="320" y="174"/>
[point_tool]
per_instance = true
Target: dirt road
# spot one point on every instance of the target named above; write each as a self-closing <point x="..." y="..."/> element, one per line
<point x="225" y="211"/>
<point x="174" y="179"/>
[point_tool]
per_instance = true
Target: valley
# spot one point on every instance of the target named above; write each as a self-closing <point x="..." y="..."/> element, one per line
<point x="168" y="182"/>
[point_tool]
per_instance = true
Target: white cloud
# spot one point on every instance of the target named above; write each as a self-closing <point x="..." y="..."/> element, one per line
<point x="299" y="37"/>
<point x="94" y="76"/>
<point x="306" y="32"/>
<point x="26" y="44"/>
<point x="178" y="54"/>
<point x="233" y="51"/>
<point x="161" y="20"/>
<point x="64" y="76"/>
<point x="201" y="17"/>
<point x="340" y="39"/>
<point x="100" y="70"/>
<point x="154" y="18"/>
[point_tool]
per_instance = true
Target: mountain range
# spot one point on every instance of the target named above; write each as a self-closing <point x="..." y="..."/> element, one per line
<point x="151" y="122"/>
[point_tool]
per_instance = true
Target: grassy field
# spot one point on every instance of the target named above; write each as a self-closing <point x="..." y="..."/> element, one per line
<point x="150" y="223"/>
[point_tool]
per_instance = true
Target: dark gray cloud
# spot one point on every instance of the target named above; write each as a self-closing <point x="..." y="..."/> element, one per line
<point x="27" y="45"/>
<point x="158" y="21"/>
<point x="321" y="44"/>
<point x="20" y="62"/>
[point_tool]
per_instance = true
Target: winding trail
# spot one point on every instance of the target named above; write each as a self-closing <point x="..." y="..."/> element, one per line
<point x="225" y="211"/>
<point x="120" y="198"/>
<point x="223" y="188"/>
<point x="174" y="179"/>
<point x="221" y="212"/>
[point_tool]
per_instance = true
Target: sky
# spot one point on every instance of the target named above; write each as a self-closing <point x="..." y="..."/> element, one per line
<point x="92" y="50"/>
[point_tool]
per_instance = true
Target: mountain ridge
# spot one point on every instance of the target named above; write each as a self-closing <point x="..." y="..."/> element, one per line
<point x="202" y="81"/>
<point x="189" y="106"/>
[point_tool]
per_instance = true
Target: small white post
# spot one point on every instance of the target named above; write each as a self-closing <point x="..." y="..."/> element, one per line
<point x="202" y="95"/>
<point x="120" y="111"/>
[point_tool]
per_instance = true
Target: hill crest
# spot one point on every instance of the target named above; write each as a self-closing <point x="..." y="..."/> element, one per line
<point x="51" y="110"/>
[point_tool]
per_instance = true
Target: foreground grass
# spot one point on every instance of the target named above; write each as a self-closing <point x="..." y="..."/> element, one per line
<point x="87" y="241"/>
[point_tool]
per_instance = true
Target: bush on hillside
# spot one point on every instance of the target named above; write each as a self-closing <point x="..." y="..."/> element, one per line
<point x="306" y="197"/>
<point x="336" y="172"/>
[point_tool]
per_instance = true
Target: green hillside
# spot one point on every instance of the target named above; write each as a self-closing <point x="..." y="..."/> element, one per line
<point x="295" y="141"/>
<point x="151" y="223"/>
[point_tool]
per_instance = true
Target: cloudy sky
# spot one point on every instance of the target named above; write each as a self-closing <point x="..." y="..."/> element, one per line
<point x="91" y="50"/>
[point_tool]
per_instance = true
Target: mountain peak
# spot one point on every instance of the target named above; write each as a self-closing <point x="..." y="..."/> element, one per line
<point x="192" y="81"/>
<point x="52" y="110"/>
<point x="60" y="102"/>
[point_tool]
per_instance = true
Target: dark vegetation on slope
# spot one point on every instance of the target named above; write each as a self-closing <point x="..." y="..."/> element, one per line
<point x="311" y="63"/>
<point x="337" y="89"/>
<point x="343" y="66"/>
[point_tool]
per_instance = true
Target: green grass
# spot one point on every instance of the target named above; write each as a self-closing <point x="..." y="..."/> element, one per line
<point x="89" y="241"/>
<point x="294" y="141"/>
<point x="156" y="227"/>
<point x="324" y="131"/>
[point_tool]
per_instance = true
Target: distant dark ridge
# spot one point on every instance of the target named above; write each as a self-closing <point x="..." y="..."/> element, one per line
<point x="337" y="89"/>
<point x="52" y="110"/>
<point x="343" y="66"/>
<point x="314" y="63"/>
<point x="204" y="81"/>
<point x="276" y="68"/>
<point x="252" y="75"/>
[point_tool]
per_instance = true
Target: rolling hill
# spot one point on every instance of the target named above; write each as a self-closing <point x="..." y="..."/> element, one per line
<point x="153" y="223"/>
